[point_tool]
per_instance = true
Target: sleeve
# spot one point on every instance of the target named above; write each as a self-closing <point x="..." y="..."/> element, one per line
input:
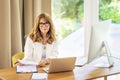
<point x="55" y="50"/>
<point x="28" y="49"/>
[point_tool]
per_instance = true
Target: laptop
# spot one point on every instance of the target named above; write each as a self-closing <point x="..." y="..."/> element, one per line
<point x="61" y="64"/>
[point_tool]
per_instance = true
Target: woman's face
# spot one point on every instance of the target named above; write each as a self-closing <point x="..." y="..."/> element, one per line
<point x="44" y="26"/>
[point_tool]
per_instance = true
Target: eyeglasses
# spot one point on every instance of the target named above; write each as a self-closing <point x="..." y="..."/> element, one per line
<point x="46" y="24"/>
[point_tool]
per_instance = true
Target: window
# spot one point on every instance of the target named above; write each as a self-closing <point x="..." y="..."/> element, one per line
<point x="110" y="9"/>
<point x="68" y="16"/>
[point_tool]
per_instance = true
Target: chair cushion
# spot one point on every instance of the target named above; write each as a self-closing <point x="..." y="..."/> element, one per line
<point x="17" y="56"/>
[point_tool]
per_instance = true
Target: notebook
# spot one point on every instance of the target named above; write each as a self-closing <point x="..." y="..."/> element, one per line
<point x="61" y="64"/>
<point x="26" y="69"/>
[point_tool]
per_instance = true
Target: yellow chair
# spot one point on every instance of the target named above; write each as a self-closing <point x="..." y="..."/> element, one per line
<point x="17" y="56"/>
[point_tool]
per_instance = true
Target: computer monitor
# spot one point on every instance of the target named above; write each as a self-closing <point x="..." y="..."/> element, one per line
<point x="99" y="33"/>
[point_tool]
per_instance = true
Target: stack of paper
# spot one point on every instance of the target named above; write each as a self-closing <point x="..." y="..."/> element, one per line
<point x="39" y="76"/>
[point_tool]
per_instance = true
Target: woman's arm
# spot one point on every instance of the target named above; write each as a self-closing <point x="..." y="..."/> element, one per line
<point x="43" y="62"/>
<point x="28" y="49"/>
<point x="27" y="52"/>
<point x="54" y="53"/>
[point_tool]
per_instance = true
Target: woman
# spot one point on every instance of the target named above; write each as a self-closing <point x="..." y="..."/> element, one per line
<point x="41" y="43"/>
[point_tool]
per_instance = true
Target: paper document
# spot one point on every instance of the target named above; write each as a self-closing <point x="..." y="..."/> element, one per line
<point x="28" y="62"/>
<point x="39" y="76"/>
<point x="25" y="69"/>
<point x="80" y="61"/>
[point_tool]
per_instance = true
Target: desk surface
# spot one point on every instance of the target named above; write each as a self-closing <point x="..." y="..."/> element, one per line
<point x="83" y="73"/>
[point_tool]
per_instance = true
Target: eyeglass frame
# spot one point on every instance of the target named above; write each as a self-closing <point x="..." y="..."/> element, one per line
<point x="47" y="24"/>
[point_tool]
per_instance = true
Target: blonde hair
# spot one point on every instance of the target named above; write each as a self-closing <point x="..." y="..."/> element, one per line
<point x="36" y="34"/>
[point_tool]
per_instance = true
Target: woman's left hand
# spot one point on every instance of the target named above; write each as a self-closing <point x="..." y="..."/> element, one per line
<point x="43" y="62"/>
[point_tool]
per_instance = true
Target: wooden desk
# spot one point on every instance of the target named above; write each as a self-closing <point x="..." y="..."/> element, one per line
<point x="88" y="72"/>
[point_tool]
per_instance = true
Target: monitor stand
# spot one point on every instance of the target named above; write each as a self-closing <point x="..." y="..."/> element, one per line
<point x="105" y="61"/>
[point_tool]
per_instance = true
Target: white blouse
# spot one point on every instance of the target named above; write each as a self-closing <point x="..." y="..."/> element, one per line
<point x="33" y="50"/>
<point x="43" y="51"/>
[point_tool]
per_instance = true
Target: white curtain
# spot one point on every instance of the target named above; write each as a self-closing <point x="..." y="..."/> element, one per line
<point x="16" y="20"/>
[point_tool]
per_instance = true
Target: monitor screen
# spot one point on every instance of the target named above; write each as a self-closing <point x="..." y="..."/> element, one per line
<point x="98" y="34"/>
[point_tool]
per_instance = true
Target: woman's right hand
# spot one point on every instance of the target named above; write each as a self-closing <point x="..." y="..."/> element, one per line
<point x="41" y="63"/>
<point x="19" y="64"/>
